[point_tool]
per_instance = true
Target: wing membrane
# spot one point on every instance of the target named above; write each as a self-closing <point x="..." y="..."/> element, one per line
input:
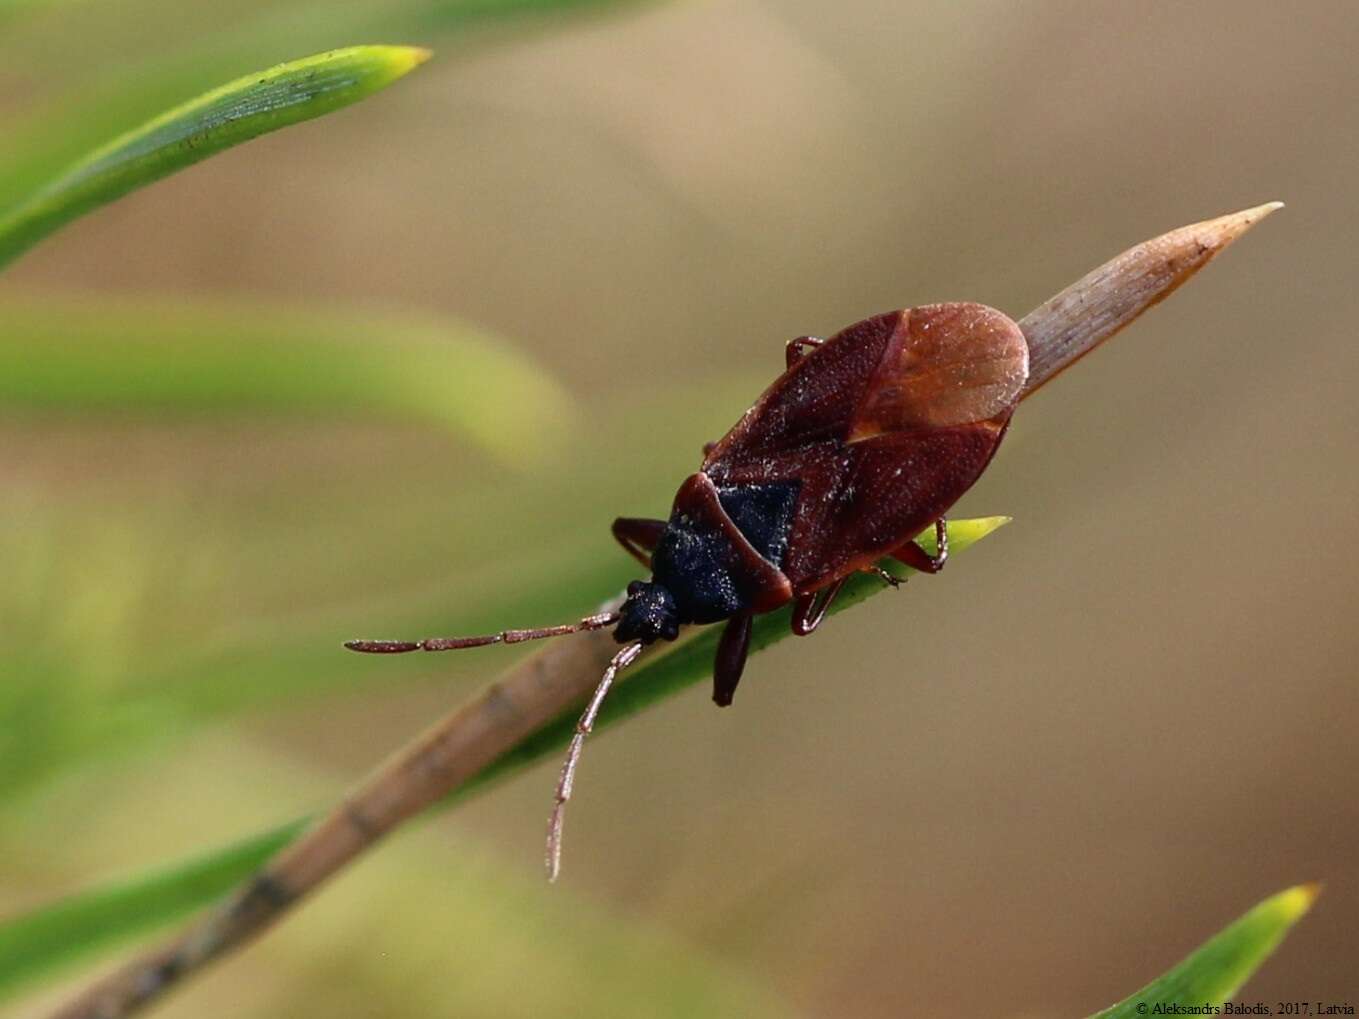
<point x="945" y="365"/>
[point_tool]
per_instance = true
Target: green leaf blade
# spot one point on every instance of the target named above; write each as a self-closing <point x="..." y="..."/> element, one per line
<point x="1219" y="967"/>
<point x="227" y="116"/>
<point x="194" y="359"/>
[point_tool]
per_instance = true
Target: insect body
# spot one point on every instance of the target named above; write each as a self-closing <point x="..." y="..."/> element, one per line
<point x="863" y="442"/>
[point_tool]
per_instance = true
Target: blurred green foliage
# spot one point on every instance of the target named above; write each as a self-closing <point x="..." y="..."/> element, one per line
<point x="35" y="945"/>
<point x="102" y="917"/>
<point x="159" y="360"/>
<point x="170" y="608"/>
<point x="100" y="673"/>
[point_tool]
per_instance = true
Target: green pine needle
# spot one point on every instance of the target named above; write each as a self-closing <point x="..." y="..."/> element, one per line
<point x="243" y="109"/>
<point x="1218" y="969"/>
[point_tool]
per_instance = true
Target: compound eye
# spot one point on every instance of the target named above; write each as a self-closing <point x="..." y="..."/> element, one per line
<point x="635" y="587"/>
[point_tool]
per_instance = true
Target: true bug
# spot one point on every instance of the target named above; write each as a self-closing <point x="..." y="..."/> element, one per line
<point x="866" y="439"/>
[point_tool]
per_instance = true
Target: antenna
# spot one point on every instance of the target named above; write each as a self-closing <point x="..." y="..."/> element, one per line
<point x="397" y="647"/>
<point x="584" y="727"/>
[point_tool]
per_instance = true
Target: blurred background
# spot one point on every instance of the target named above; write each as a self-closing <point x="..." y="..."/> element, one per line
<point x="565" y="254"/>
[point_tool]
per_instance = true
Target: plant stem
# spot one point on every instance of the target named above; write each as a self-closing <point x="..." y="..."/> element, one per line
<point x="539" y="689"/>
<point x="1065" y="328"/>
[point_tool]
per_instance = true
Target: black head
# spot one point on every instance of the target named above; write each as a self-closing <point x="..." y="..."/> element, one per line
<point x="648" y="615"/>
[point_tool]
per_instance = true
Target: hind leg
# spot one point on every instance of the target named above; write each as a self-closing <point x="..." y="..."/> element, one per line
<point x="810" y="609"/>
<point x="918" y="559"/>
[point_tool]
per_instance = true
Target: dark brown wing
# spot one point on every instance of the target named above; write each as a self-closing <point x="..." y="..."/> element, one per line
<point x="813" y="401"/>
<point x="885" y="426"/>
<point x="890" y="489"/>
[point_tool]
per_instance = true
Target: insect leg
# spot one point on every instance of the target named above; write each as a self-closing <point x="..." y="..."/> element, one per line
<point x="638" y="536"/>
<point x="918" y="559"/>
<point x="810" y="609"/>
<point x="731" y="658"/>
<point x="796" y="350"/>
<point x="620" y="661"/>
<point x="884" y="576"/>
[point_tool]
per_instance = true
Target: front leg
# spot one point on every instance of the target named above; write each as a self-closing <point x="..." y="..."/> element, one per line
<point x="639" y="536"/>
<point x="731" y="658"/>
<point x="810" y="609"/>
